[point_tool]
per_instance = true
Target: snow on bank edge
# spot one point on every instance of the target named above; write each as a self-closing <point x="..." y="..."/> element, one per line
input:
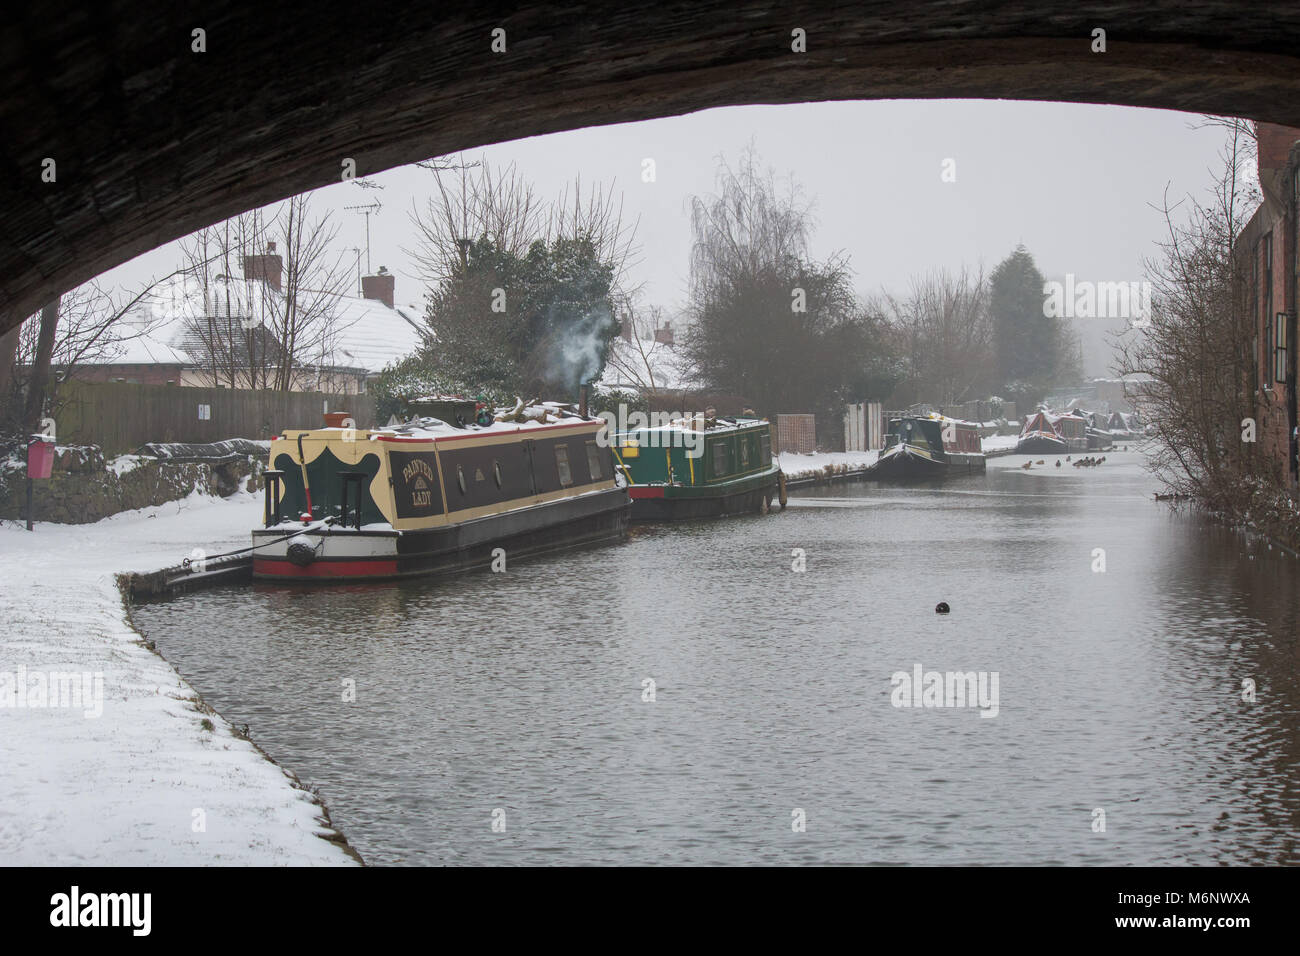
<point x="144" y="783"/>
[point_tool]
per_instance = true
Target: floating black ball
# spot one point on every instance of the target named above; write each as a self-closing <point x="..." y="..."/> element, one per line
<point x="941" y="608"/>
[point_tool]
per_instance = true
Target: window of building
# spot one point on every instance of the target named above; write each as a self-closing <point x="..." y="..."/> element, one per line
<point x="1279" y="347"/>
<point x="593" y="462"/>
<point x="562" y="464"/>
<point x="1267" y="296"/>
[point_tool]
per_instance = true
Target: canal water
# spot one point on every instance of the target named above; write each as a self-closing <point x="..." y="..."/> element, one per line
<point x="508" y="719"/>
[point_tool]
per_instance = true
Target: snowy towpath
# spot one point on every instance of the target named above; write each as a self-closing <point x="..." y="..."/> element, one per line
<point x="144" y="782"/>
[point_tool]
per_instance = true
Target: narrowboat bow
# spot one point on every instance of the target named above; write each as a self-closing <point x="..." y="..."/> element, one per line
<point x="929" y="446"/>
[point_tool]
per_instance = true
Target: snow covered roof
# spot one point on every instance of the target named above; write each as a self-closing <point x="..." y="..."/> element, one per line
<point x="371" y="335"/>
<point x="165" y="327"/>
<point x="644" y="364"/>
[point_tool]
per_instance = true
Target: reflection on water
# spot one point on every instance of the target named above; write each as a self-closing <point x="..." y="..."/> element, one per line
<point x="1119" y="691"/>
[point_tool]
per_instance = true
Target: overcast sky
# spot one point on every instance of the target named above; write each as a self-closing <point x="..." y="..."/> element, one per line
<point x="1074" y="183"/>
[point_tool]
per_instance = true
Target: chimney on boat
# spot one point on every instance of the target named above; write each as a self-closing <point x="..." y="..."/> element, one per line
<point x="380" y="286"/>
<point x="584" y="396"/>
<point x="267" y="267"/>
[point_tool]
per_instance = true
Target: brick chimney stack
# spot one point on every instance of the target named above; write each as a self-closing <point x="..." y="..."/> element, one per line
<point x="268" y="267"/>
<point x="381" y="286"/>
<point x="664" y="336"/>
<point x="1274" y="148"/>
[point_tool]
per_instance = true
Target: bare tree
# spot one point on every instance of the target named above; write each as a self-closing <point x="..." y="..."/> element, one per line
<point x="248" y="332"/>
<point x="473" y="202"/>
<point x="1195" y="353"/>
<point x="946" y="331"/>
<point x="304" y="320"/>
<point x="83" y="327"/>
<point x="470" y="204"/>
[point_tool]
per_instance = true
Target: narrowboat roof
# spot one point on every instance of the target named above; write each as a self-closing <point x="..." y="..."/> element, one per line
<point x="936" y="417"/>
<point x="532" y="418"/>
<point x="711" y="426"/>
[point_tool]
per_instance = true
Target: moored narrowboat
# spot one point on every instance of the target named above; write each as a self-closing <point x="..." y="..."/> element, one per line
<point x="929" y="446"/>
<point x="1073" y="429"/>
<point x="1039" y="436"/>
<point x="428" y="497"/>
<point x="699" y="467"/>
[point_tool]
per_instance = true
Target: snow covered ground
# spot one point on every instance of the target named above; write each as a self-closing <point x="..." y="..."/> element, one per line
<point x="797" y="467"/>
<point x="144" y="782"/>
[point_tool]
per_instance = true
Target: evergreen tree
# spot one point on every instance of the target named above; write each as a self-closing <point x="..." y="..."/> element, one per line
<point x="1034" y="351"/>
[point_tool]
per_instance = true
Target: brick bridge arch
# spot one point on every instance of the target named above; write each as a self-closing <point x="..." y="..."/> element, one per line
<point x="152" y="140"/>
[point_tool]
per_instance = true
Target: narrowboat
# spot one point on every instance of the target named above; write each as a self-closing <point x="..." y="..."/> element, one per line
<point x="930" y="446"/>
<point x="1039" y="436"/>
<point x="1073" y="429"/>
<point x="428" y="497"/>
<point x="1122" y="426"/>
<point x="699" y="467"/>
<point x="1098" y="435"/>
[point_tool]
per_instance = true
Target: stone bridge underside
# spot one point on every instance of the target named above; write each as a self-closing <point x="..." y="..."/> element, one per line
<point x="152" y="140"/>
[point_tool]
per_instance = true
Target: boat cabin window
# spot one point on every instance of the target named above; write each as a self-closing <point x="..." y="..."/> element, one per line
<point x="593" y="462"/>
<point x="765" y="448"/>
<point x="496" y="471"/>
<point x="460" y="478"/>
<point x="719" y="459"/>
<point x="744" y="451"/>
<point x="562" y="463"/>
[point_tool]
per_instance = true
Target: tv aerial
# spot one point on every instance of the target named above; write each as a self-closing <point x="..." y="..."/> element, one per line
<point x="367" y="210"/>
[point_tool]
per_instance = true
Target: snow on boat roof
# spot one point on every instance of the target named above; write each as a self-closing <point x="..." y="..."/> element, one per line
<point x="936" y="417"/>
<point x="687" y="425"/>
<point x="539" y="415"/>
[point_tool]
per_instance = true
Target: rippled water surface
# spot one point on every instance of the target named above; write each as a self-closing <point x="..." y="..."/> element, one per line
<point x="1118" y="691"/>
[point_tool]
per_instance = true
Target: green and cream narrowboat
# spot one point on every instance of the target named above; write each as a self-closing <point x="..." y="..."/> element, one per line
<point x="430" y="497"/>
<point x="699" y="467"/>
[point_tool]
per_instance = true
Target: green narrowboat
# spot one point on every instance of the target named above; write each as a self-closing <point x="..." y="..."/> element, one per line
<point x="699" y="467"/>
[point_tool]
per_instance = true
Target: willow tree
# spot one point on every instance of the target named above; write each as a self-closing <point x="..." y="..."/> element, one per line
<point x="768" y="321"/>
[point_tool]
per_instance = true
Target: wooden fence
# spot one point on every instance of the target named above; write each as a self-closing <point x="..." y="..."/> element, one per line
<point x="120" y="416"/>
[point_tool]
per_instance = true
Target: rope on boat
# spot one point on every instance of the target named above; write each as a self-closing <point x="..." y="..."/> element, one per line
<point x="227" y="554"/>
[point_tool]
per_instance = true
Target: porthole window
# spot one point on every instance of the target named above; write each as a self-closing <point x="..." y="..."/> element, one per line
<point x="496" y="472"/>
<point x="460" y="479"/>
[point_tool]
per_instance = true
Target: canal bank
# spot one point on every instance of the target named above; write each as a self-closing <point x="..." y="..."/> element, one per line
<point x="110" y="757"/>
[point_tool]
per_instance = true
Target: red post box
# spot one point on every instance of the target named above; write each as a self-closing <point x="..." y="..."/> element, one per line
<point x="40" y="458"/>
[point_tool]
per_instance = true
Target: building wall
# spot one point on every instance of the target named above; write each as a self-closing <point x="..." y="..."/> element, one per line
<point x="1272" y="277"/>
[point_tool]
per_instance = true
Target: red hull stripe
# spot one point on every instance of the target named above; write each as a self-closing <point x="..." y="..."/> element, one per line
<point x="325" y="569"/>
<point x="646" y="492"/>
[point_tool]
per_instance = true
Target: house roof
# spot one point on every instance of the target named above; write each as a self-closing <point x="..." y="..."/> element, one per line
<point x="641" y="365"/>
<point x="166" y="328"/>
